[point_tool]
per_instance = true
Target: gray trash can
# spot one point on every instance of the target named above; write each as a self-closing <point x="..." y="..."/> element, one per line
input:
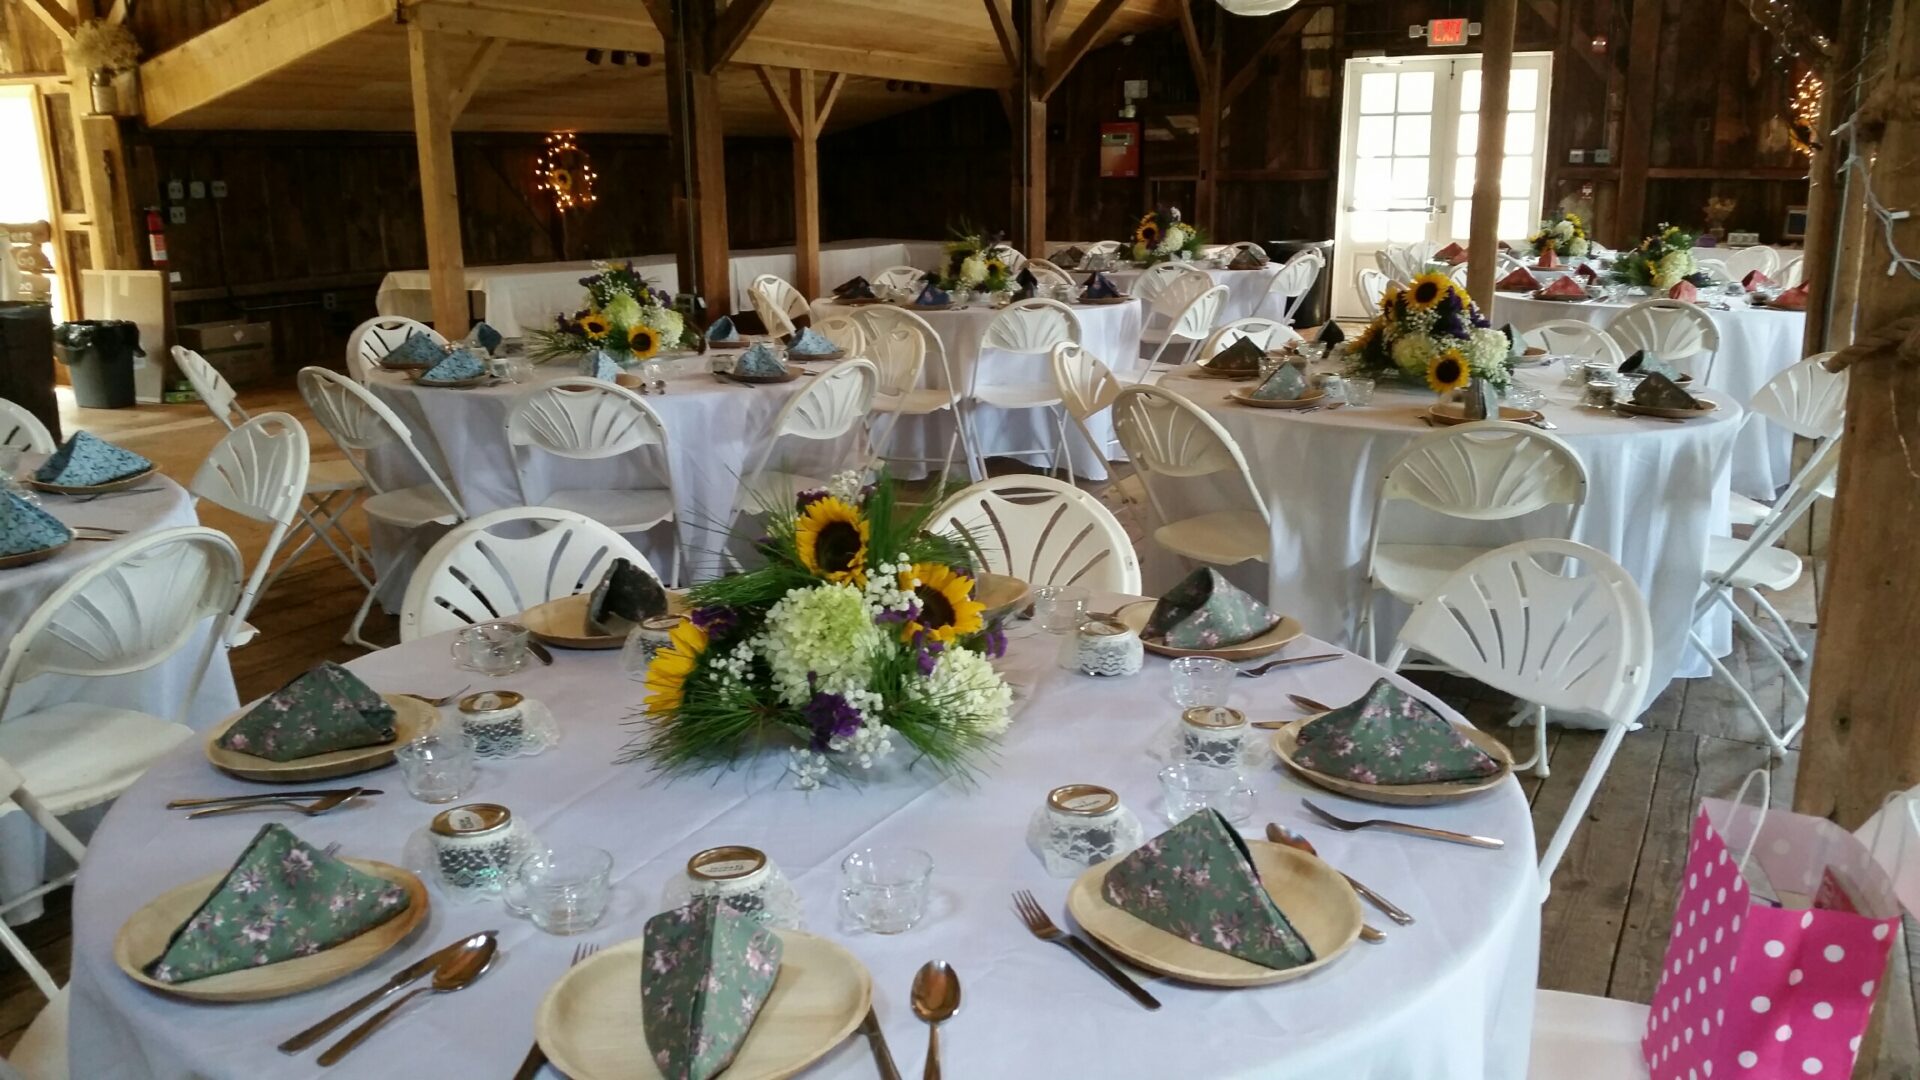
<point x="1317" y="308"/>
<point x="99" y="357"/>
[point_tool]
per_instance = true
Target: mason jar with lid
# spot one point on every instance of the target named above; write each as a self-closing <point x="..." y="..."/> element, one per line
<point x="1108" y="646"/>
<point x="473" y="845"/>
<point x="1213" y="735"/>
<point x="1081" y="825"/>
<point x="742" y="877"/>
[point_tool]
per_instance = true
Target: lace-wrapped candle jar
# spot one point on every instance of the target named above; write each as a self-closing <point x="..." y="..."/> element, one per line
<point x="473" y="846"/>
<point x="504" y="724"/>
<point x="1213" y="735"/>
<point x="1109" y="647"/>
<point x="745" y="879"/>
<point x="1081" y="825"/>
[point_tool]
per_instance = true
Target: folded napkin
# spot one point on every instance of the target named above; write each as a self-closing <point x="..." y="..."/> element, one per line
<point x="1331" y="334"/>
<point x="418" y="350"/>
<point x="282" y="899"/>
<point x="1756" y="279"/>
<point x="1246" y="259"/>
<point x="1452" y="253"/>
<point x="1640" y="363"/>
<point x="458" y="366"/>
<point x="1517" y="281"/>
<point x="708" y="970"/>
<point x="1099" y="287"/>
<point x="854" y="288"/>
<point x="723" y="330"/>
<point x="1390" y="737"/>
<point x="600" y="364"/>
<point x="1794" y="299"/>
<point x="25" y="527"/>
<point x="932" y="295"/>
<point x="1244" y="355"/>
<point x="1067" y="258"/>
<point x="1206" y="611"/>
<point x="1197" y="881"/>
<point x="1587" y="273"/>
<point x="1514" y="347"/>
<point x="1547" y="260"/>
<point x="1684" y="290"/>
<point x="86" y="459"/>
<point x="1287" y="383"/>
<point x="625" y="595"/>
<point x="811" y="342"/>
<point x="1659" y="392"/>
<point x="484" y="337"/>
<point x="1564" y="287"/>
<point x="323" y="710"/>
<point x="759" y="359"/>
<point x="1026" y="286"/>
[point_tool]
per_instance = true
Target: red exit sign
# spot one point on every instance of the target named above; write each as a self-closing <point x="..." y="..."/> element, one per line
<point x="1446" y="32"/>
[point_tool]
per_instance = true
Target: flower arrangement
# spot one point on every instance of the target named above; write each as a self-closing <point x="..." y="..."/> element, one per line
<point x="99" y="45"/>
<point x="1433" y="331"/>
<point x="969" y="261"/>
<point x="1662" y="261"/>
<point x="859" y="633"/>
<point x="1564" y="234"/>
<point x="624" y="316"/>
<point x="1161" y="235"/>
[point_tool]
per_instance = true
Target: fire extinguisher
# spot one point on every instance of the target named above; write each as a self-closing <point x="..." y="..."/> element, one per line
<point x="156" y="238"/>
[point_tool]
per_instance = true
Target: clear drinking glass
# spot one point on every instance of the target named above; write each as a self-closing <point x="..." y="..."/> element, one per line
<point x="1359" y="390"/>
<point x="1201" y="680"/>
<point x="1524" y="397"/>
<point x="1189" y="788"/>
<point x="438" y="767"/>
<point x="1060" y="609"/>
<point x="884" y="889"/>
<point x="563" y="890"/>
<point x="490" y="648"/>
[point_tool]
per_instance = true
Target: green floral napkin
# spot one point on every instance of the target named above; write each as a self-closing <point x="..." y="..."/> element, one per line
<point x="1390" y="737"/>
<point x="1241" y="356"/>
<point x="1287" y="383"/>
<point x="1659" y="392"/>
<point x="324" y="710"/>
<point x="1206" y="611"/>
<point x="1197" y="881"/>
<point x="282" y="899"/>
<point x="625" y="595"/>
<point x="708" y="971"/>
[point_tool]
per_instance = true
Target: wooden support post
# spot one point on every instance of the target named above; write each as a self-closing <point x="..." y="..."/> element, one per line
<point x="1636" y="128"/>
<point x="1207" y="65"/>
<point x="433" y="90"/>
<point x="1030" y="88"/>
<point x="1496" y="74"/>
<point x="1826" y="210"/>
<point x="805" y="112"/>
<point x="699" y="154"/>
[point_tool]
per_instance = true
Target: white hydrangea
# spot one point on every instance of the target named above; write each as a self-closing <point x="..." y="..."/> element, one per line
<point x="973" y="270"/>
<point x="1579" y="248"/>
<point x="1173" y="239"/>
<point x="1487" y="352"/>
<point x="623" y="310"/>
<point x="873" y="740"/>
<point x="1674" y="265"/>
<point x="1413" y="353"/>
<point x="825" y="632"/>
<point x="968" y="689"/>
<point x="668" y="321"/>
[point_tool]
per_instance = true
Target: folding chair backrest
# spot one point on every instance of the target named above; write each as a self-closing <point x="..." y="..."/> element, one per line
<point x="1294" y="281"/>
<point x="1266" y="333"/>
<point x="831" y="405"/>
<point x="845" y="332"/>
<point x="584" y="419"/>
<point x="1256" y="250"/>
<point x="1031" y="326"/>
<point x="1048" y="274"/>
<point x="1744" y="261"/>
<point x="372" y="340"/>
<point x="781" y="293"/>
<point x="772" y="313"/>
<point x="1086" y="385"/>
<point x="1791" y="273"/>
<point x="21" y="430"/>
<point x="1042" y="531"/>
<point x="1009" y="256"/>
<point x="214" y="390"/>
<point x="1489" y="470"/>
<point x="259" y="470"/>
<point x="900" y="329"/>
<point x="1806" y="399"/>
<point x="1154" y="280"/>
<point x="899" y="277"/>
<point x="1571" y="337"/>
<point x="1175" y="294"/>
<point x="1195" y="321"/>
<point x="1672" y="330"/>
<point x="1372" y="285"/>
<point x="358" y="423"/>
<point x="1167" y="435"/>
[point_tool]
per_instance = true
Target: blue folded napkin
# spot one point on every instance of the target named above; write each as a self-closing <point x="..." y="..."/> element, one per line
<point x="599" y="364"/>
<point x="932" y="295"/>
<point x="86" y="459"/>
<point x="484" y="337"/>
<point x="418" y="350"/>
<point x="1099" y="287"/>
<point x="723" y="330"/>
<point x="811" y="342"/>
<point x="458" y="366"/>
<point x="759" y="360"/>
<point x="25" y="527"/>
<point x="1287" y="383"/>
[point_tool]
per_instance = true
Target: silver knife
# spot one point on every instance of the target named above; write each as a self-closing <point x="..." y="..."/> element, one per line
<point x="317" y="793"/>
<point x="400" y="978"/>
<point x="540" y="652"/>
<point x="877" y="1040"/>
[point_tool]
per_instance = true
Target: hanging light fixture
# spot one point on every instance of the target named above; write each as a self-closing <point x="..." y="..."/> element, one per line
<point x="565" y="172"/>
<point x="1806" y="112"/>
<point x="1257" y="7"/>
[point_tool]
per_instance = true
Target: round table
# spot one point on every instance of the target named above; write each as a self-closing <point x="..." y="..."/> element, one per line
<point x="1247" y="294"/>
<point x="151" y="506"/>
<point x="1755" y="345"/>
<point x="1656" y="491"/>
<point x="1110" y="332"/>
<point x="1448" y="997"/>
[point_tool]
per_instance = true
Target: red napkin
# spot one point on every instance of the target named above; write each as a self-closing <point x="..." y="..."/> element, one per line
<point x="1564" y="288"/>
<point x="1547" y="260"/>
<point x="1794" y="299"/>
<point x="1586" y="272"/>
<point x="1452" y="253"/>
<point x="1518" y="281"/>
<point x="1504" y="246"/>
<point x="1755" y="279"/>
<point x="1683" y="290"/>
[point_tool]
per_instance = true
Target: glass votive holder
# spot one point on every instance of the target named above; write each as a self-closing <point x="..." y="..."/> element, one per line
<point x="1212" y="735"/>
<point x="884" y="889"/>
<point x="1081" y="825"/>
<point x="1188" y="788"/>
<point x="648" y="638"/>
<point x="1599" y="393"/>
<point x="1109" y="647"/>
<point x="1201" y="680"/>
<point x="563" y="890"/>
<point x="1060" y="609"/>
<point x="1359" y="390"/>
<point x="1524" y="397"/>
<point x="438" y="766"/>
<point x="494" y="648"/>
<point x="473" y="845"/>
<point x="744" y="879"/>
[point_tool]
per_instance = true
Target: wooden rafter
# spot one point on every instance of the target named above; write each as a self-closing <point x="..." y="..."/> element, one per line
<point x="246" y="48"/>
<point x="1550" y="12"/>
<point x="661" y="12"/>
<point x="1196" y="53"/>
<point x="782" y="100"/>
<point x="1061" y="64"/>
<point x="1291" y="28"/>
<point x="830" y="94"/>
<point x="1002" y="20"/>
<point x="1056" y="14"/>
<point x="117" y="13"/>
<point x="730" y="30"/>
<point x="474" y="74"/>
<point x="1636" y="131"/>
<point x="634" y="33"/>
<point x="55" y="15"/>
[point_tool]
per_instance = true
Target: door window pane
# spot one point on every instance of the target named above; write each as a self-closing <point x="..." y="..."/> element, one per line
<point x="1368" y="226"/>
<point x="1372" y="182"/>
<point x="1513" y="218"/>
<point x="1462" y="220"/>
<point x="1376" y="92"/>
<point x="1412" y="135"/>
<point x="1375" y="137"/>
<point x="1470" y="90"/>
<point x="1516" y="176"/>
<point x="1463" y="178"/>
<point x="1410" y="178"/>
<point x="1519" y="133"/>
<point x="1523" y="90"/>
<point x="1416" y="92"/>
<point x="1467" y="135"/>
<point x="1407" y="228"/>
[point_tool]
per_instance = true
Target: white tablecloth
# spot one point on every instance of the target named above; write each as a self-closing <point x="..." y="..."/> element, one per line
<point x="1109" y="331"/>
<point x="158" y="690"/>
<point x="1755" y="345"/>
<point x="1449" y="998"/>
<point x="1656" y="491"/>
<point x="1247" y="294"/>
<point x="839" y="261"/>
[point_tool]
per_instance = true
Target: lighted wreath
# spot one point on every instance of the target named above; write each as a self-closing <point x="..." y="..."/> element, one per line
<point x="565" y="173"/>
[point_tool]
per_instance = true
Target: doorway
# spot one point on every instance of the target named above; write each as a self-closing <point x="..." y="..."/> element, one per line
<point x="1409" y="128"/>
<point x="25" y="266"/>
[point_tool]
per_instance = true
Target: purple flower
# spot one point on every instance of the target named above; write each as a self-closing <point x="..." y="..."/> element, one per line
<point x="928" y="657"/>
<point x="911" y="613"/>
<point x="716" y="622"/>
<point x="808" y="498"/>
<point x="995" y="644"/>
<point x="830" y="717"/>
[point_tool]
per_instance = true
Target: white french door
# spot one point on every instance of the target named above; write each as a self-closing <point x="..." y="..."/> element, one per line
<point x="1410" y="126"/>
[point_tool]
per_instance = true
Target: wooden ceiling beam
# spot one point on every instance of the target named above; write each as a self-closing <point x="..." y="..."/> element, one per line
<point x="661" y="12"/>
<point x="56" y="17"/>
<point x="835" y="82"/>
<point x="1002" y="20"/>
<point x="474" y="74"/>
<point x="1196" y="52"/>
<point x="870" y="63"/>
<point x="246" y="48"/>
<point x="117" y="13"/>
<point x="1060" y="64"/>
<point x="731" y="30"/>
<point x="540" y="27"/>
<point x="1056" y="14"/>
<point x="1290" y="29"/>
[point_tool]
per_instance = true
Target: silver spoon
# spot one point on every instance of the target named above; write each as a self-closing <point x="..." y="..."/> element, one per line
<point x="456" y="972"/>
<point x="936" y="997"/>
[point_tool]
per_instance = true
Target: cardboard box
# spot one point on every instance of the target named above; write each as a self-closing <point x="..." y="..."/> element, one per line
<point x="242" y="352"/>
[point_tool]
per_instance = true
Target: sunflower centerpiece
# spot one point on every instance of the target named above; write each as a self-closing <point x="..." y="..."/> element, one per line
<point x="1431" y="332"/>
<point x="624" y="317"/>
<point x="1662" y="261"/>
<point x="1564" y="234"/>
<point x="970" y="260"/>
<point x="859" y="639"/>
<point x="1160" y="235"/>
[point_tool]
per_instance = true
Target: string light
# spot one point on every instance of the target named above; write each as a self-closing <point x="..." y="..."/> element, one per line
<point x="1807" y="91"/>
<point x="566" y="173"/>
<point x="1792" y="32"/>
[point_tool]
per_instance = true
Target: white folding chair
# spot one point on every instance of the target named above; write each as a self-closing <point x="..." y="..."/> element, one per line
<point x="1086" y="387"/>
<point x="899" y="343"/>
<point x="1021" y="334"/>
<point x="258" y="470"/>
<point x="1191" y="325"/>
<point x="21" y="430"/>
<point x="359" y="423"/>
<point x="332" y="486"/>
<point x="833" y="405"/>
<point x="1266" y="333"/>
<point x="1714" y="268"/>
<point x="372" y="340"/>
<point x="1105" y="247"/>
<point x="1290" y="286"/>
<point x="473" y="574"/>
<point x="1809" y="401"/>
<point x="845" y="332"/>
<point x="1571" y="337"/>
<point x="583" y="419"/>
<point x="1673" y="330"/>
<point x="899" y="277"/>
<point x="1387" y="260"/>
<point x="1372" y="285"/>
<point x="1743" y="261"/>
<point x="1155" y="280"/>
<point x="777" y="303"/>
<point x="1042" y="531"/>
<point x="1170" y="438"/>
<point x="1458" y="275"/>
<point x="1791" y="273"/>
<point x="1048" y="274"/>
<point x="1579" y="643"/>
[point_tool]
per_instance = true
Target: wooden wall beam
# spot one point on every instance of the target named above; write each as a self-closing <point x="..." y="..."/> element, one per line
<point x="1056" y="14"/>
<point x="1826" y="210"/>
<point x="917" y="67"/>
<point x="771" y="81"/>
<point x="1636" y="128"/>
<point x="1190" y="33"/>
<point x="1003" y="32"/>
<point x="1287" y="30"/>
<point x="474" y="74"/>
<point x="56" y="17"/>
<point x="835" y="83"/>
<point x="699" y="160"/>
<point x="661" y="12"/>
<point x="1060" y="64"/>
<point x="1496" y="77"/>
<point x="246" y="48"/>
<point x="431" y="69"/>
<point x="1207" y="62"/>
<point x="728" y="32"/>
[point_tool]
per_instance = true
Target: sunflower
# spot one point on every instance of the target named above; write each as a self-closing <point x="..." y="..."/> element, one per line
<point x="643" y="341"/>
<point x="996" y="267"/>
<point x="671" y="667"/>
<point x="1147" y="232"/>
<point x="1448" y="371"/>
<point x="594" y="325"/>
<point x="1387" y="298"/>
<point x="948" y="610"/>
<point x="1427" y="289"/>
<point x="831" y="539"/>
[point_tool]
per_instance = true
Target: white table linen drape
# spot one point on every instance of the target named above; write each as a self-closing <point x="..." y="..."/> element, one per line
<point x="1247" y="291"/>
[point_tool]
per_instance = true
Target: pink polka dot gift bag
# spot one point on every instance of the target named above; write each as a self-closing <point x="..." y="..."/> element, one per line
<point x="1780" y="939"/>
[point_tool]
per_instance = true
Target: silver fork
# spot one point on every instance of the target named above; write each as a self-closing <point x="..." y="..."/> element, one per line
<point x="1451" y="837"/>
<point x="1254" y="673"/>
<point x="537" y="1057"/>
<point x="1035" y="917"/>
<point x="313" y="809"/>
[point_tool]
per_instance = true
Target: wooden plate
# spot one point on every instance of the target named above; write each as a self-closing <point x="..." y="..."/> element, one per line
<point x="562" y="623"/>
<point x="1287" y="739"/>
<point x="1245" y="397"/>
<point x="1559" y="299"/>
<point x="411" y="717"/>
<point x="457" y="384"/>
<point x="1706" y="407"/>
<point x="728" y="344"/>
<point x="148" y="930"/>
<point x="589" y="1022"/>
<point x="92" y="489"/>
<point x="1202" y="371"/>
<point x="807" y="358"/>
<point x="786" y="376"/>
<point x="1288" y="628"/>
<point x="1453" y="412"/>
<point x="1000" y="593"/>
<point x="1317" y="901"/>
<point x="28" y="558"/>
<point x="1104" y="301"/>
<point x="857" y="301"/>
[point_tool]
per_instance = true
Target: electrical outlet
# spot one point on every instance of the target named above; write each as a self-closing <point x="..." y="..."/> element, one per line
<point x="1576" y="157"/>
<point x="1603" y="156"/>
<point x="176" y="190"/>
<point x="177" y="215"/>
<point x="197" y="189"/>
<point x="219" y="189"/>
<point x="329" y="301"/>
